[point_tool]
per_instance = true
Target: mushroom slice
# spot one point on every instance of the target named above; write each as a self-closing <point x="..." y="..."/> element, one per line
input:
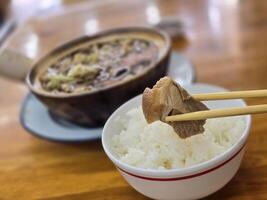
<point x="169" y="98"/>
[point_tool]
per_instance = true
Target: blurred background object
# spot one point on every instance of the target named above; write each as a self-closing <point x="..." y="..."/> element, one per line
<point x="38" y="27"/>
<point x="7" y="23"/>
<point x="4" y="9"/>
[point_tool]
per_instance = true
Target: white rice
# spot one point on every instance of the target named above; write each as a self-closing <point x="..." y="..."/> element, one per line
<point x="157" y="146"/>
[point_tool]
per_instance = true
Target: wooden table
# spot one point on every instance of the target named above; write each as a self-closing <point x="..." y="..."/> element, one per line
<point x="227" y="43"/>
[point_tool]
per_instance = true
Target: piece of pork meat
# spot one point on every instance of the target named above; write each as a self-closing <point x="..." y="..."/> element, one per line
<point x="169" y="98"/>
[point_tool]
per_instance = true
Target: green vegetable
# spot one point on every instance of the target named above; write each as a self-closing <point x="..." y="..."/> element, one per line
<point x="55" y="81"/>
<point x="83" y="71"/>
<point x="92" y="58"/>
<point x="126" y="46"/>
<point x="79" y="58"/>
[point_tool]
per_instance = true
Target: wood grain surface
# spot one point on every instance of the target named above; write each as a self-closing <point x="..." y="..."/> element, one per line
<point x="227" y="43"/>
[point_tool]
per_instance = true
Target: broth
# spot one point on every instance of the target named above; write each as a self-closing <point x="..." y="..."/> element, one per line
<point x="99" y="65"/>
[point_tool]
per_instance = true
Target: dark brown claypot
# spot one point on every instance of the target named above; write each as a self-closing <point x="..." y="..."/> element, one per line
<point x="92" y="108"/>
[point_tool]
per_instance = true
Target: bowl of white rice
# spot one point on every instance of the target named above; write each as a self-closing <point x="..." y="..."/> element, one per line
<point x="156" y="162"/>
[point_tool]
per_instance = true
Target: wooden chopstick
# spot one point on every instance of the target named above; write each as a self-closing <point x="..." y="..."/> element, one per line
<point x="218" y="113"/>
<point x="230" y="95"/>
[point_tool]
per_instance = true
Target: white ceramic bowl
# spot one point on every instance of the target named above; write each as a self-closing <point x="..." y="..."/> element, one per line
<point x="188" y="183"/>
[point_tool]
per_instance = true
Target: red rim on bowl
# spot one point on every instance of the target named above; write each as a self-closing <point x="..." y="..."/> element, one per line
<point x="185" y="177"/>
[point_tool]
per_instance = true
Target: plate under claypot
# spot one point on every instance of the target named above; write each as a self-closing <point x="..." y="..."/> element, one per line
<point x="36" y="118"/>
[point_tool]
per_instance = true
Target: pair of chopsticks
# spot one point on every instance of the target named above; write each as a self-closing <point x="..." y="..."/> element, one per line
<point x="225" y="112"/>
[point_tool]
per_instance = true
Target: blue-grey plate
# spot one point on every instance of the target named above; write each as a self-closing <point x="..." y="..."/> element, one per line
<point x="37" y="120"/>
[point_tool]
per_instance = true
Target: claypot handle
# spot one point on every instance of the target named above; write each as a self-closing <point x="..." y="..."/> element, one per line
<point x="14" y="65"/>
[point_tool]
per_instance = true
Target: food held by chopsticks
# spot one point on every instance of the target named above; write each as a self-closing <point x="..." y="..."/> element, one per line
<point x="168" y="102"/>
<point x="169" y="98"/>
